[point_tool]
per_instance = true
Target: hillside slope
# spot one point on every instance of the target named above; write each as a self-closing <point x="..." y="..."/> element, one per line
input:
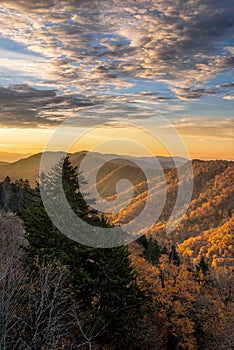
<point x="28" y="168"/>
<point x="205" y="229"/>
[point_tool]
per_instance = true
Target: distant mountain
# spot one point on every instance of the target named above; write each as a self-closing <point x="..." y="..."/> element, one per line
<point x="3" y="163"/>
<point x="28" y="168"/>
<point x="206" y="229"/>
<point x="11" y="157"/>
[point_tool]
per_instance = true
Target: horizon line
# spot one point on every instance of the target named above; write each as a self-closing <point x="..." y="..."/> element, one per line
<point x="28" y="155"/>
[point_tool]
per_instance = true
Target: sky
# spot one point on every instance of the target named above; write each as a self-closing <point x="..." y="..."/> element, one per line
<point x="113" y="64"/>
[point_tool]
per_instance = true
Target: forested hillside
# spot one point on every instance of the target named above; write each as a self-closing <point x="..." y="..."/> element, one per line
<point x="169" y="291"/>
<point x="206" y="228"/>
<point x="28" y="167"/>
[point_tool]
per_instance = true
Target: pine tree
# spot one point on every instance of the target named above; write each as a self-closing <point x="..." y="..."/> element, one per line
<point x="174" y="257"/>
<point x="152" y="252"/>
<point x="164" y="251"/>
<point x="143" y="241"/>
<point x="102" y="279"/>
<point x="6" y="192"/>
<point x="202" y="271"/>
<point x="16" y="195"/>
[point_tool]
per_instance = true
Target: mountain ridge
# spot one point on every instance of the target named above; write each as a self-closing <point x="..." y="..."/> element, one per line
<point x="207" y="227"/>
<point x="28" y="167"/>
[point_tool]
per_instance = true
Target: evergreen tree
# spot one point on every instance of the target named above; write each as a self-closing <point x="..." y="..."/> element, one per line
<point x="174" y="257"/>
<point x="15" y="195"/>
<point x="102" y="279"/>
<point x="164" y="251"/>
<point x="152" y="252"/>
<point x="202" y="271"/>
<point x="143" y="241"/>
<point x="6" y="192"/>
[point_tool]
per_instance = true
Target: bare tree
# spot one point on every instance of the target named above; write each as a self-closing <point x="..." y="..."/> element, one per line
<point x="90" y="326"/>
<point x="12" y="280"/>
<point x="39" y="311"/>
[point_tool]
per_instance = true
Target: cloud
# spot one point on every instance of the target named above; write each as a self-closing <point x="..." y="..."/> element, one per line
<point x="29" y="107"/>
<point x="206" y="127"/>
<point x="25" y="106"/>
<point x="191" y="94"/>
<point x="225" y="86"/>
<point x="229" y="97"/>
<point x="98" y="49"/>
<point x="147" y="38"/>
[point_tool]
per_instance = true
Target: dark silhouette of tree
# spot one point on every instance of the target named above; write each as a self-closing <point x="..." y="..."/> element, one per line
<point x="153" y="251"/>
<point x="202" y="271"/>
<point x="102" y="279"/>
<point x="173" y="256"/>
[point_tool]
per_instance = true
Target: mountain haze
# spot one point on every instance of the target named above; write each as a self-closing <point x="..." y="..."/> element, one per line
<point x="28" y="168"/>
<point x="206" y="228"/>
<point x="11" y="157"/>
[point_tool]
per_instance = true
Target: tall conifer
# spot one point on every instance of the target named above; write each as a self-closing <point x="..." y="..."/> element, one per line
<point x="102" y="279"/>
